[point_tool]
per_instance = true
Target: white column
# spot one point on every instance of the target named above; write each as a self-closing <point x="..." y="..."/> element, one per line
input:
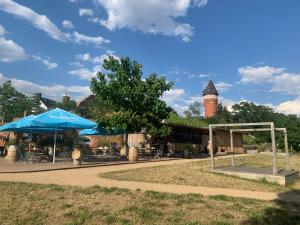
<point x="231" y="149"/>
<point x="54" y="149"/>
<point x="275" y="168"/>
<point x="211" y="144"/>
<point x="286" y="146"/>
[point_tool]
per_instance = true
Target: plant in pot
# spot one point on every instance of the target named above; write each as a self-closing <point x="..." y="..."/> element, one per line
<point x="10" y="142"/>
<point x="77" y="153"/>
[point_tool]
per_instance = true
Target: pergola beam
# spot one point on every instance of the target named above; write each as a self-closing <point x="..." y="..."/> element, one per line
<point x="257" y="129"/>
<point x="270" y="124"/>
<point x="241" y="124"/>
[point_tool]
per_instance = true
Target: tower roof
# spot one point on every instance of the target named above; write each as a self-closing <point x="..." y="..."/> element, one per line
<point x="210" y="89"/>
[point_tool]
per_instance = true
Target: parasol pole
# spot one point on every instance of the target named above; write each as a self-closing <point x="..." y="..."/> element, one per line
<point x="54" y="149"/>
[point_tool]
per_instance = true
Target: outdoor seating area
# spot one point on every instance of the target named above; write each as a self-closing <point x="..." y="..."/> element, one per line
<point x="58" y="139"/>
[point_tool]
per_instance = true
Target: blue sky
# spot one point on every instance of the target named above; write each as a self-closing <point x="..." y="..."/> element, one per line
<point x="249" y="48"/>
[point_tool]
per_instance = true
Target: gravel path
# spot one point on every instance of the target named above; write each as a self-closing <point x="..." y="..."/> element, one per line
<point x="87" y="177"/>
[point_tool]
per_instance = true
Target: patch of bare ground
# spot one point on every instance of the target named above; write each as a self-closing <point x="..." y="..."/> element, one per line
<point x="198" y="174"/>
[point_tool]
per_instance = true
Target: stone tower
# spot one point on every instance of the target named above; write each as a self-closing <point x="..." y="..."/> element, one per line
<point x="210" y="99"/>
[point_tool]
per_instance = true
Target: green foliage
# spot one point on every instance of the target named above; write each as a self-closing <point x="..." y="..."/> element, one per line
<point x="187" y="114"/>
<point x="12" y="103"/>
<point x="68" y="104"/>
<point x="94" y="108"/>
<point x="135" y="103"/>
<point x="185" y="121"/>
<point x="193" y="111"/>
<point x="10" y="142"/>
<point x="35" y="102"/>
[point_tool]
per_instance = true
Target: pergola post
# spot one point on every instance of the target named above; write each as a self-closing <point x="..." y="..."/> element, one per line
<point x="288" y="166"/>
<point x="275" y="168"/>
<point x="231" y="149"/>
<point x="211" y="145"/>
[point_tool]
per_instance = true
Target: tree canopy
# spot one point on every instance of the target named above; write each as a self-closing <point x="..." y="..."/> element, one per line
<point x="135" y="103"/>
<point x="12" y="103"/>
<point x="16" y="104"/>
<point x="194" y="110"/>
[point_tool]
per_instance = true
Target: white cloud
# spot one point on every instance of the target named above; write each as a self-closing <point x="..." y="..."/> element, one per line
<point x="76" y="64"/>
<point x="83" y="57"/>
<point x="68" y="24"/>
<point x="200" y="3"/>
<point x="54" y="91"/>
<point x="152" y="16"/>
<point x="9" y="50"/>
<point x="2" y="30"/>
<point x="173" y="95"/>
<point x="97" y="62"/>
<point x="188" y="74"/>
<point x="222" y="86"/>
<point x="86" y="12"/>
<point x="41" y="22"/>
<point x="288" y="83"/>
<point x="81" y="39"/>
<point x="280" y="81"/>
<point x="175" y="99"/>
<point x="201" y="75"/>
<point x="227" y="102"/>
<point x="83" y="73"/>
<point x="256" y="75"/>
<point x="46" y="62"/>
<point x="289" y="107"/>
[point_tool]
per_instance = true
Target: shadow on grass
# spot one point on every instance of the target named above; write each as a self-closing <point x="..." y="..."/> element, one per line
<point x="286" y="211"/>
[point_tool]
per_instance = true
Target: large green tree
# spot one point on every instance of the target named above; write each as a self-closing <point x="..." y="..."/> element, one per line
<point x="35" y="101"/>
<point x="68" y="104"/>
<point x="135" y="103"/>
<point x="12" y="103"/>
<point x="93" y="108"/>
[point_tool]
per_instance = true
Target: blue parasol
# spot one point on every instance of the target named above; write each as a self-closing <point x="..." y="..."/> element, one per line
<point x="57" y="119"/>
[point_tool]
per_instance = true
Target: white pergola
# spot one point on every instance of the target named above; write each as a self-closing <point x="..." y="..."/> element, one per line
<point x="268" y="126"/>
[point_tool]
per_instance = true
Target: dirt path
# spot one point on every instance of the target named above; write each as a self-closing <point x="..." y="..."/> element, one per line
<point x="86" y="177"/>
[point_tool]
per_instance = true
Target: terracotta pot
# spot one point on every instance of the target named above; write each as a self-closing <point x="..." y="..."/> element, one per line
<point x="12" y="153"/>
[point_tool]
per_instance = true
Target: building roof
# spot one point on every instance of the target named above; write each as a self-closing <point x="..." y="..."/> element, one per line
<point x="49" y="103"/>
<point x="210" y="89"/>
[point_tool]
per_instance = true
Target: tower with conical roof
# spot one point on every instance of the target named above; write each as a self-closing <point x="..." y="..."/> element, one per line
<point x="210" y="99"/>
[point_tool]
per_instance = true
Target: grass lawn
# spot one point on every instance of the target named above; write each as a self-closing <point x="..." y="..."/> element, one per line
<point x="32" y="204"/>
<point x="198" y="174"/>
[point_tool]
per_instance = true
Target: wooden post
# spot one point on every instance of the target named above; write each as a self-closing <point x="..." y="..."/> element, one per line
<point x="275" y="168"/>
<point x="211" y="147"/>
<point x="231" y="149"/>
<point x="288" y="166"/>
